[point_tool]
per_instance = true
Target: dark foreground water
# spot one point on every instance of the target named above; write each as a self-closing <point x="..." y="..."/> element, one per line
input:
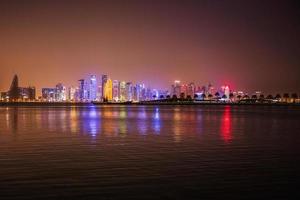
<point x="149" y="152"/>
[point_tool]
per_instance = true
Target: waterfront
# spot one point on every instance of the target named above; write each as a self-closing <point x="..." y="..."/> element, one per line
<point x="146" y="152"/>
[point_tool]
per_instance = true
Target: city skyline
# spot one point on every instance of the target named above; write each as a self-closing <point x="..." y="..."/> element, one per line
<point x="103" y="89"/>
<point x="152" y="42"/>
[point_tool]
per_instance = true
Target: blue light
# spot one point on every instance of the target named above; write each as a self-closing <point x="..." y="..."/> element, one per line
<point x="156" y="123"/>
<point x="92" y="122"/>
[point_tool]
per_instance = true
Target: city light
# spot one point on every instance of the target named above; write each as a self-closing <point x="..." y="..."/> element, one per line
<point x="102" y="89"/>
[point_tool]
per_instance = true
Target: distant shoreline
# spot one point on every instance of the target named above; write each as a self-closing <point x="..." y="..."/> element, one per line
<point x="78" y="104"/>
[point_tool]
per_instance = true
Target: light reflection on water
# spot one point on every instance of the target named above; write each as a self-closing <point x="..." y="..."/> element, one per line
<point x="118" y="121"/>
<point x="226" y="125"/>
<point x="114" y="121"/>
<point x="125" y="150"/>
<point x="156" y="122"/>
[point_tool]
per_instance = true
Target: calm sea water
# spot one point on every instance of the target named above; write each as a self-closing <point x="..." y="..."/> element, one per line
<point x="149" y="152"/>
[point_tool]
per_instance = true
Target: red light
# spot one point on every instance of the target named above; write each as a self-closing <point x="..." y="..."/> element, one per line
<point x="226" y="125"/>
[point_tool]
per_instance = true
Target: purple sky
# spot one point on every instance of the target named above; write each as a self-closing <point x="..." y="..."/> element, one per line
<point x="250" y="45"/>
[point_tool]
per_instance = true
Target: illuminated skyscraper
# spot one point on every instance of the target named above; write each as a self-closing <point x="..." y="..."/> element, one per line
<point x="27" y="93"/>
<point x="122" y="92"/>
<point x="104" y="79"/>
<point x="48" y="94"/>
<point x="92" y="88"/>
<point x="99" y="92"/>
<point x="108" y="90"/>
<point x="128" y="94"/>
<point x="134" y="93"/>
<point x="176" y="88"/>
<point x="139" y="92"/>
<point x="81" y="89"/>
<point x="191" y="89"/>
<point x="116" y="90"/>
<point x="60" y="92"/>
<point x="183" y="90"/>
<point x="71" y="93"/>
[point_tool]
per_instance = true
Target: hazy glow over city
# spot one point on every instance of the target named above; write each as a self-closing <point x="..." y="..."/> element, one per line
<point x="48" y="42"/>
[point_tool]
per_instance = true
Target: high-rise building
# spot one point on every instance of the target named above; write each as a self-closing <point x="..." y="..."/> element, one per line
<point x="122" y="93"/>
<point x="14" y="93"/>
<point x="27" y="93"/>
<point x="99" y="92"/>
<point x="104" y="79"/>
<point x="134" y="93"/>
<point x="60" y="92"/>
<point x="108" y="90"/>
<point x="128" y="95"/>
<point x="148" y="93"/>
<point x="116" y="90"/>
<point x="176" y="88"/>
<point x="48" y="94"/>
<point x="183" y="90"/>
<point x="92" y="89"/>
<point x="139" y="92"/>
<point x="81" y="89"/>
<point x="72" y="93"/>
<point x="191" y="89"/>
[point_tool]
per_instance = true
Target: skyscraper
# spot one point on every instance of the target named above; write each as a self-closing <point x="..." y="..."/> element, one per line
<point x="116" y="90"/>
<point x="48" y="94"/>
<point x="191" y="89"/>
<point x="183" y="90"/>
<point x="134" y="93"/>
<point x="176" y="88"/>
<point x="60" y="92"/>
<point x="72" y="93"/>
<point x="128" y="94"/>
<point x="14" y="93"/>
<point x="104" y="79"/>
<point x="27" y="93"/>
<point x="139" y="92"/>
<point x="81" y="89"/>
<point x="92" y="88"/>
<point x="122" y="93"/>
<point x="108" y="90"/>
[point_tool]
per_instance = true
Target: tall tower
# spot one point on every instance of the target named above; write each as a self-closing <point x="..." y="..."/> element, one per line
<point x="81" y="89"/>
<point x="122" y="91"/>
<point x="93" y="88"/>
<point x="14" y="89"/>
<point x="128" y="88"/>
<point x="116" y="90"/>
<point x="104" y="80"/>
<point x="108" y="89"/>
<point x="176" y="88"/>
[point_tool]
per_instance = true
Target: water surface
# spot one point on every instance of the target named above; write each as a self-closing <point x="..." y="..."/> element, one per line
<point x="149" y="152"/>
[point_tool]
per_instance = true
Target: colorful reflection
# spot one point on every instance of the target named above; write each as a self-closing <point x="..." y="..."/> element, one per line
<point x="92" y="121"/>
<point x="73" y="120"/>
<point x="156" y="122"/>
<point x="176" y="125"/>
<point x="226" y="125"/>
<point x="142" y="122"/>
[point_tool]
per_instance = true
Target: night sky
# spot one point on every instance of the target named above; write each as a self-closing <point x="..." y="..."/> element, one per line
<point x="250" y="45"/>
